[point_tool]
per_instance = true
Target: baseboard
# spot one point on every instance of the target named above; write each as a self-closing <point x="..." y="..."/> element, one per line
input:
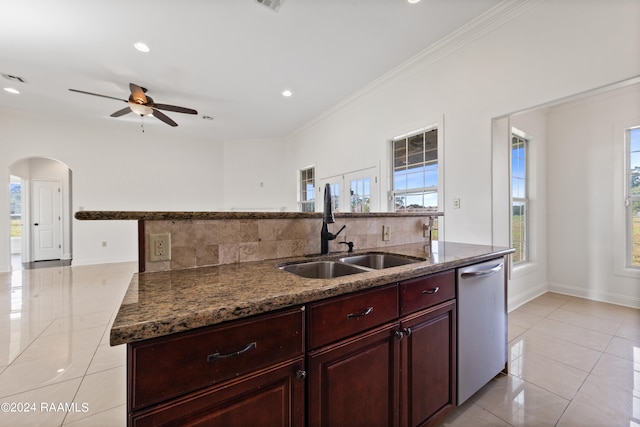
<point x="78" y="262"/>
<point x="513" y="302"/>
<point x="594" y="295"/>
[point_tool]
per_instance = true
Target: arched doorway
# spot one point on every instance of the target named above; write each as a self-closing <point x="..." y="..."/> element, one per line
<point x="40" y="210"/>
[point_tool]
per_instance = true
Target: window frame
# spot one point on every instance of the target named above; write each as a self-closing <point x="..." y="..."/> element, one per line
<point x="620" y="218"/>
<point x="525" y="202"/>
<point x="629" y="199"/>
<point x="306" y="187"/>
<point x="425" y="190"/>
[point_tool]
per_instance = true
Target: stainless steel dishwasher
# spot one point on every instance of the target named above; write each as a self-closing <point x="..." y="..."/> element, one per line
<point x="482" y="325"/>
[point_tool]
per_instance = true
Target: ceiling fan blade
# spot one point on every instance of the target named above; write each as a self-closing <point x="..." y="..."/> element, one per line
<point x="137" y="94"/>
<point x="160" y="115"/>
<point x="121" y="112"/>
<point x="175" y="108"/>
<point x="97" y="94"/>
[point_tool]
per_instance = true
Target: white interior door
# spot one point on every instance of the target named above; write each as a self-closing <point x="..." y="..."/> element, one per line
<point x="47" y="222"/>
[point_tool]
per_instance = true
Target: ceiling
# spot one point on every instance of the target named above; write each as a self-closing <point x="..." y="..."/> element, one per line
<point x="228" y="59"/>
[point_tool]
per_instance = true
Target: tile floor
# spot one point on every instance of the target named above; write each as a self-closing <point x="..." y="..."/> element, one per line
<point x="573" y="362"/>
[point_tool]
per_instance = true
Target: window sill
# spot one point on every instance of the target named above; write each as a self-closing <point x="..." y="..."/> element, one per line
<point x="633" y="273"/>
<point x="523" y="268"/>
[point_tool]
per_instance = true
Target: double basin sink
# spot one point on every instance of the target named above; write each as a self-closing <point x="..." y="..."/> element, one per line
<point x="328" y="269"/>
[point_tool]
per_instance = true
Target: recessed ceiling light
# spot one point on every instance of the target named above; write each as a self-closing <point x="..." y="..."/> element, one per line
<point x="12" y="90"/>
<point x="287" y="93"/>
<point x="413" y="1"/>
<point x="142" y="47"/>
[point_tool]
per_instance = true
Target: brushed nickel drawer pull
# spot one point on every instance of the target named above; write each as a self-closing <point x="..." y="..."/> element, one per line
<point x="431" y="291"/>
<point x="364" y="313"/>
<point x="218" y="356"/>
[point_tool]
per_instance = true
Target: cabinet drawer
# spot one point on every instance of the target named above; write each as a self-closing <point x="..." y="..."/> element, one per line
<point x="423" y="292"/>
<point x="171" y="366"/>
<point x="347" y="315"/>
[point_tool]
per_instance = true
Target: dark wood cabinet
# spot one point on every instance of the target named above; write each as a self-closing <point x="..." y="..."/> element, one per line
<point x="249" y="372"/>
<point x="400" y="374"/>
<point x="355" y="382"/>
<point x="271" y="398"/>
<point x="428" y="380"/>
<point x="379" y="357"/>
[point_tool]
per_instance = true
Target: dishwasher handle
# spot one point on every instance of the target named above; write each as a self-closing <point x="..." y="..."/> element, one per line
<point x="479" y="273"/>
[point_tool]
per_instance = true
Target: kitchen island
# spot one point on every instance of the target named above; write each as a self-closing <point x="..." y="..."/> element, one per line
<point x="163" y="303"/>
<point x="250" y="344"/>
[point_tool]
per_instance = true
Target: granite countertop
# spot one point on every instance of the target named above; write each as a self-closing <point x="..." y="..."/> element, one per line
<point x="163" y="303"/>
<point x="176" y="215"/>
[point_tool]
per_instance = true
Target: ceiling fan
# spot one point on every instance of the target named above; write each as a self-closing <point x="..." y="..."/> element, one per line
<point x="143" y="105"/>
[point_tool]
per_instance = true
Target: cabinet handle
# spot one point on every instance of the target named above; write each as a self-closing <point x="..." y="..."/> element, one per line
<point x="407" y="332"/>
<point x="398" y="334"/>
<point x="364" y="313"/>
<point x="431" y="291"/>
<point x="301" y="375"/>
<point x="218" y="356"/>
<point x="496" y="268"/>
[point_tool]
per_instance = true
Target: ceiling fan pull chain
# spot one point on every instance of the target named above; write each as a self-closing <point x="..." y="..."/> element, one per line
<point x="142" y="123"/>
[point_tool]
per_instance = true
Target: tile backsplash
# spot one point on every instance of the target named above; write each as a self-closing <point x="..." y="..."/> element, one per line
<point x="199" y="243"/>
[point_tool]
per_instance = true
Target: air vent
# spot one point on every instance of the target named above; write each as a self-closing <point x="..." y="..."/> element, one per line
<point x="271" y="4"/>
<point x="13" y="78"/>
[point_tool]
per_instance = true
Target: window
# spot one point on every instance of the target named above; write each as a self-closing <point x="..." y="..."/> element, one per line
<point x="335" y="196"/>
<point x="632" y="188"/>
<point x="307" y="190"/>
<point x="415" y="172"/>
<point x="361" y="195"/>
<point x="519" y="198"/>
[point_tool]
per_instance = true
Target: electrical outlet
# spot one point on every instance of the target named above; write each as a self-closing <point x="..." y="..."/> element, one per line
<point x="456" y="203"/>
<point x="385" y="233"/>
<point x="160" y="247"/>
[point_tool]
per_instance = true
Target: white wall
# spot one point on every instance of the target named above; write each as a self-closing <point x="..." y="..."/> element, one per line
<point x="257" y="176"/>
<point x="533" y="53"/>
<point x="585" y="164"/>
<point x="115" y="167"/>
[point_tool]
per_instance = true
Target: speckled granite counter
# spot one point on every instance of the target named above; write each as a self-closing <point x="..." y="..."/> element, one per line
<point x="175" y="215"/>
<point x="163" y="303"/>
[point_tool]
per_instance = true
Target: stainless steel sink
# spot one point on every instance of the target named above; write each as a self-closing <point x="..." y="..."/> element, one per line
<point x="379" y="260"/>
<point x="322" y="269"/>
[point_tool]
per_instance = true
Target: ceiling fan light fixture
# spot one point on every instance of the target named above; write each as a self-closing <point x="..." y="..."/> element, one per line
<point x="141" y="110"/>
<point x="142" y="47"/>
<point x="287" y="93"/>
<point x="12" y="90"/>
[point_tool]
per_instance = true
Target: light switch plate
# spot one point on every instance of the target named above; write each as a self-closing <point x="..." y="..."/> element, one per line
<point x="160" y="247"/>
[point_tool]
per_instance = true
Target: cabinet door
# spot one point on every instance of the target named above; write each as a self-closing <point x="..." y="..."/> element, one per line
<point x="428" y="354"/>
<point x="355" y="382"/>
<point x="269" y="398"/>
